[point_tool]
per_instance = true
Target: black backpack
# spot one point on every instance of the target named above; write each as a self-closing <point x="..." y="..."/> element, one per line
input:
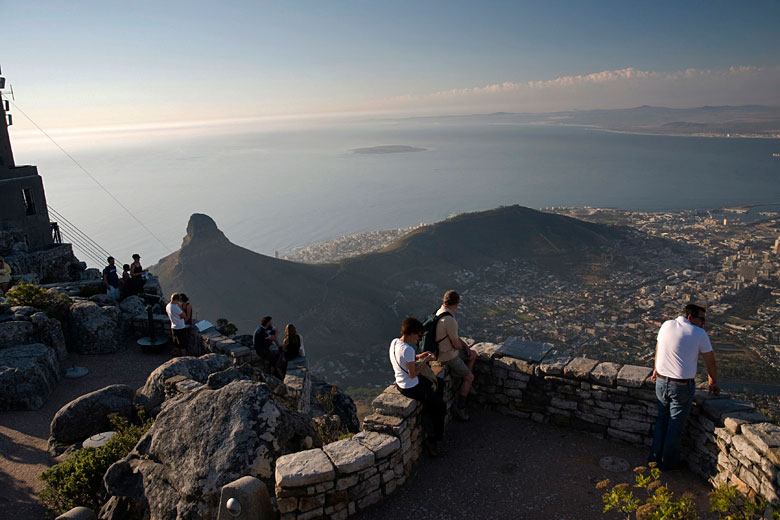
<point x="428" y="342"/>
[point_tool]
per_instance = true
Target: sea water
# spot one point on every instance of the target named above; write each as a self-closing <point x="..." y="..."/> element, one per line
<point x="273" y="189"/>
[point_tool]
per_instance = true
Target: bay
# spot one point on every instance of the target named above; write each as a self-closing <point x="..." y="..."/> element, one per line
<point x="271" y="189"/>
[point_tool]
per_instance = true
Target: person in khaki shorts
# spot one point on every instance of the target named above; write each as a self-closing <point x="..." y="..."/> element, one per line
<point x="454" y="352"/>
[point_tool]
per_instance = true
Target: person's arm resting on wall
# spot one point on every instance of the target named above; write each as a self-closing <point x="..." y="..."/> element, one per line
<point x="712" y="372"/>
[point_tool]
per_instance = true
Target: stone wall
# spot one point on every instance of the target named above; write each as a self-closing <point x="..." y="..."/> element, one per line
<point x="726" y="442"/>
<point x="352" y="474"/>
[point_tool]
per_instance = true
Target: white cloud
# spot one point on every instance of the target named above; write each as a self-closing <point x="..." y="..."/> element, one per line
<point x="736" y="85"/>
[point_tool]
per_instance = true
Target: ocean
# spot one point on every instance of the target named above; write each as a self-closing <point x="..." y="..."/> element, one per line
<point x="273" y="188"/>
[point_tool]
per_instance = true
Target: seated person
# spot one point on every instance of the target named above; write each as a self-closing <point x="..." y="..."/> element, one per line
<point x="407" y="368"/>
<point x="263" y="338"/>
<point x="290" y="349"/>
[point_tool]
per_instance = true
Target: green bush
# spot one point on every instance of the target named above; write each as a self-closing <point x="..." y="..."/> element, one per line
<point x="53" y="303"/>
<point x="78" y="480"/>
<point x="226" y="328"/>
<point x="660" y="503"/>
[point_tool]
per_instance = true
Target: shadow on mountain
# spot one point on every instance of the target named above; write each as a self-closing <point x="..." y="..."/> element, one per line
<point x="361" y="301"/>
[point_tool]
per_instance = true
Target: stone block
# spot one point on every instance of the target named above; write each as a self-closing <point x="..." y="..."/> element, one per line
<point x="287" y="505"/>
<point x="309" y="503"/>
<point x="485" y="351"/>
<point x="349" y="455"/>
<point x="633" y="376"/>
<point x="718" y="407"/>
<point x="518" y="376"/>
<point x="630" y="426"/>
<point x="762" y="435"/>
<point x="605" y="373"/>
<point x="744" y="447"/>
<point x="632" y="438"/>
<point x="370" y="499"/>
<point x="608" y="404"/>
<point x="308" y="515"/>
<point x="643" y="394"/>
<point x="304" y="468"/>
<point x="563" y="404"/>
<point x="383" y="423"/>
<point x="591" y="418"/>
<point x="347" y="482"/>
<point x="749" y="478"/>
<point x="580" y="368"/>
<point x="381" y="444"/>
<point x="391" y="403"/>
<point x="553" y="367"/>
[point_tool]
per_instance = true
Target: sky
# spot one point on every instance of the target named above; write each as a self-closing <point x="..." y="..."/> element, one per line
<point x="176" y="63"/>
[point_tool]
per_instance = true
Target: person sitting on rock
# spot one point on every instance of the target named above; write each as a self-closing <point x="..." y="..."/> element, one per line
<point x="262" y="339"/>
<point x="407" y="367"/>
<point x="290" y="349"/>
<point x="178" y="327"/>
<point x="111" y="279"/>
<point x="125" y="285"/>
<point x="5" y="276"/>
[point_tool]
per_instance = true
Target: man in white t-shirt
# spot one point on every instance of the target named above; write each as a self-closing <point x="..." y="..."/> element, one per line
<point x="178" y="326"/>
<point x="680" y="342"/>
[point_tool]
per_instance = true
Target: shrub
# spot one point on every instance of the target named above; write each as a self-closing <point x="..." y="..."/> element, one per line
<point x="78" y="480"/>
<point x="727" y="501"/>
<point x="226" y="328"/>
<point x="53" y="303"/>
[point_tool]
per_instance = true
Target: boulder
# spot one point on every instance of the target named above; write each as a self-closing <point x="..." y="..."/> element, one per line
<point x="178" y="472"/>
<point x="335" y="402"/>
<point x="133" y="306"/>
<point x="102" y="299"/>
<point x="49" y="332"/>
<point x="28" y="375"/>
<point x="94" y="329"/>
<point x="23" y="311"/>
<point x="14" y="333"/>
<point x="152" y="394"/>
<point x="88" y="415"/>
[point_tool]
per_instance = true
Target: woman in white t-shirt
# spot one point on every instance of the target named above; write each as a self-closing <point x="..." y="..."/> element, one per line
<point x="407" y="367"/>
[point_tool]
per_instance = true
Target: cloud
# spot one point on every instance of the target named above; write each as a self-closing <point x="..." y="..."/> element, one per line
<point x="735" y="85"/>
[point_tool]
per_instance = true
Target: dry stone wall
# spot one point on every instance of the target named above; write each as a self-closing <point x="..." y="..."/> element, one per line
<point x="726" y="441"/>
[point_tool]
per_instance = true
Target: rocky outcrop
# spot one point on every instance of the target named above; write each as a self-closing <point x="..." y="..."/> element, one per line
<point x="94" y="329"/>
<point x="88" y="415"/>
<point x="198" y="369"/>
<point x="49" y="332"/>
<point x="329" y="399"/>
<point x="14" y="333"/>
<point x="177" y="472"/>
<point x="28" y="375"/>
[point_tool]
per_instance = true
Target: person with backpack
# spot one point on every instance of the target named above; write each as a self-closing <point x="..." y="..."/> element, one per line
<point x="454" y="352"/>
<point x="408" y="367"/>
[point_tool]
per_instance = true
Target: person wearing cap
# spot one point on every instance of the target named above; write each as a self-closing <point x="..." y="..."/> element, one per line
<point x="136" y="275"/>
<point x="680" y="341"/>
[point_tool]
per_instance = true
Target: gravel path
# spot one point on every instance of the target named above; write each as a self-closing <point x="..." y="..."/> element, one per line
<point x="24" y="435"/>
<point x="503" y="467"/>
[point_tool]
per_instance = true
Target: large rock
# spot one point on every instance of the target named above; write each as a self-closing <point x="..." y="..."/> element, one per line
<point x="153" y="392"/>
<point x="333" y="401"/>
<point x="14" y="333"/>
<point x="88" y="415"/>
<point x="94" y="329"/>
<point x="133" y="306"/>
<point x="28" y="375"/>
<point x="49" y="332"/>
<point x="199" y="442"/>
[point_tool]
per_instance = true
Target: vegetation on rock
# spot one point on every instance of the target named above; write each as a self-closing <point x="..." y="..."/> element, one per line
<point x="225" y="327"/>
<point x="78" y="480"/>
<point x="54" y="304"/>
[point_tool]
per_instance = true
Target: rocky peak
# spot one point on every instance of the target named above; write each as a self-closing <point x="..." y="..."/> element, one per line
<point x="202" y="227"/>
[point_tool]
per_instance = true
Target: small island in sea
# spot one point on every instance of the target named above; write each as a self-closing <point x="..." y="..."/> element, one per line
<point x="389" y="148"/>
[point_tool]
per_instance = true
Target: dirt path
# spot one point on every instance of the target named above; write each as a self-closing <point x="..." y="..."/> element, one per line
<point x="24" y="435"/>
<point x="502" y="467"/>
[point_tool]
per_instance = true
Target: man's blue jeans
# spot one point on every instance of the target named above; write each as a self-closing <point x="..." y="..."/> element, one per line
<point x="674" y="403"/>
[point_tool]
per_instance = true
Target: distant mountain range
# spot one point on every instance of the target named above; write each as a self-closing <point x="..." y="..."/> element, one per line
<point x="746" y="121"/>
<point x="361" y="301"/>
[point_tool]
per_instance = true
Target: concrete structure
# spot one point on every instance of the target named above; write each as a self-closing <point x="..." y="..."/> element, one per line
<point x="23" y="210"/>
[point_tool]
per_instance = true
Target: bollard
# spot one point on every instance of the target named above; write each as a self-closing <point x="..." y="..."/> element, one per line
<point x="245" y="499"/>
<point x="78" y="513"/>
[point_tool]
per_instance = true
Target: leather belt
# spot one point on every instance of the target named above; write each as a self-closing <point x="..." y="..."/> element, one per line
<point x="659" y="376"/>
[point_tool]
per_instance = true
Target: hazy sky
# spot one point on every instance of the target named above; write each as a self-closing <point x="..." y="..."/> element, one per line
<point x="105" y="62"/>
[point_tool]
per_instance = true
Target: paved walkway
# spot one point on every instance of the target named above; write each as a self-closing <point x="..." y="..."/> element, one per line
<point x="503" y="467"/>
<point x="24" y="435"/>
